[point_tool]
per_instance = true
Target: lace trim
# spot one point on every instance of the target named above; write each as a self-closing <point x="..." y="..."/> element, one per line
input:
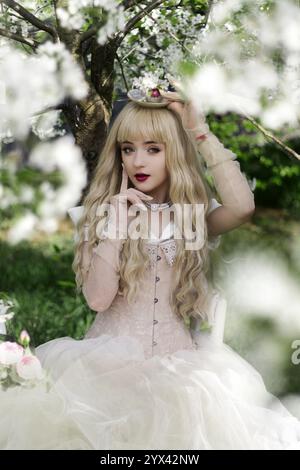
<point x="168" y="248"/>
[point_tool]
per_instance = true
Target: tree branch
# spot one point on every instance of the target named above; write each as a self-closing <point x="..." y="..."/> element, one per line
<point x="19" y="38"/>
<point x="167" y="31"/>
<point x="272" y="137"/>
<point x="132" y="22"/>
<point x="41" y="25"/>
<point x="122" y="72"/>
<point x="136" y="47"/>
<point x="88" y="34"/>
<point x="209" y="7"/>
<point x="127" y="4"/>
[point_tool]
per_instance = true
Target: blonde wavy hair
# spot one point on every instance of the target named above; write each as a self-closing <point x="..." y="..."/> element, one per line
<point x="189" y="295"/>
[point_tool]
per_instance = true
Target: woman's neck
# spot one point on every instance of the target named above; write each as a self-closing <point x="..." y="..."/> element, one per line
<point x="159" y="196"/>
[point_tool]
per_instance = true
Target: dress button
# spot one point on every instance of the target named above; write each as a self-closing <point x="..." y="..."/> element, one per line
<point x="158" y="257"/>
<point x="154" y="343"/>
<point x="155" y="300"/>
<point x="157" y="279"/>
<point x="155" y="321"/>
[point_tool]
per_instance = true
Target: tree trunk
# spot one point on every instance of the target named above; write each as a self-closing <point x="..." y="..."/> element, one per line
<point x="88" y="121"/>
<point x="89" y="118"/>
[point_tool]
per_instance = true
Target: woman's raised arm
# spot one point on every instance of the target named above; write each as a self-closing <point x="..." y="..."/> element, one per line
<point x="231" y="184"/>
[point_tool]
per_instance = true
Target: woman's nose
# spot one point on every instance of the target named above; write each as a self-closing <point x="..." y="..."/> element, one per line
<point x="139" y="158"/>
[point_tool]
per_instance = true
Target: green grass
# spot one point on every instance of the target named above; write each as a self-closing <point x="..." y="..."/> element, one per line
<point x="39" y="278"/>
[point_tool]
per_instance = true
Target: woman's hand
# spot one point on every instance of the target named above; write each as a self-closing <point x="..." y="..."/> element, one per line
<point x="129" y="194"/>
<point x="120" y="201"/>
<point x="189" y="116"/>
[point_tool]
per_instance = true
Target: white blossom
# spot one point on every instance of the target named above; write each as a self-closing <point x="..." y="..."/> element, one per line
<point x="72" y="15"/>
<point x="8" y="198"/>
<point x="23" y="228"/>
<point x="26" y="194"/>
<point x="34" y="83"/>
<point x="237" y="72"/>
<point x="260" y="284"/>
<point x="116" y="22"/>
<point x="69" y="20"/>
<point x="282" y="112"/>
<point x="149" y="80"/>
<point x="60" y="155"/>
<point x="43" y="125"/>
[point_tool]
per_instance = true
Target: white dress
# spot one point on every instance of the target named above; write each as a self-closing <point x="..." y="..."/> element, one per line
<point x="107" y="394"/>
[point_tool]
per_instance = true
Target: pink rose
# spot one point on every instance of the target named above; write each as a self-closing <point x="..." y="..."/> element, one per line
<point x="29" y="368"/>
<point x="10" y="353"/>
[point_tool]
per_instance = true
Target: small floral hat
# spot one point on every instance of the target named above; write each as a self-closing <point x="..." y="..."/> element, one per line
<point x="150" y="92"/>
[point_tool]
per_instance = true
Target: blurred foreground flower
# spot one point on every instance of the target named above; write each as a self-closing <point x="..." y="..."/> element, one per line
<point x="18" y="365"/>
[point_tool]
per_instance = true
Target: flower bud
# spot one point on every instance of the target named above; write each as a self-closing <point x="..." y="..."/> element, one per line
<point x="24" y="338"/>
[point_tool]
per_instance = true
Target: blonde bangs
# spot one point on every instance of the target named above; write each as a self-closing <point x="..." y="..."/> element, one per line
<point x="146" y="124"/>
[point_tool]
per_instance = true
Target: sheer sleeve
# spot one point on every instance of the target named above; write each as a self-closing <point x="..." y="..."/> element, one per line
<point x="231" y="184"/>
<point x="101" y="273"/>
<point x="100" y="268"/>
<point x="213" y="240"/>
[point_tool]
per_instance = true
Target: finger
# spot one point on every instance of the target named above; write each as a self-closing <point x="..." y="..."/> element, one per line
<point x="130" y="197"/>
<point x="177" y="85"/>
<point x="135" y="201"/>
<point x="139" y="193"/>
<point x="119" y="199"/>
<point x="176" y="107"/>
<point x="124" y="183"/>
<point x="172" y="96"/>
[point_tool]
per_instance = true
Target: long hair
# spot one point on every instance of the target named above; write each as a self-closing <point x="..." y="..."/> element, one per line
<point x="189" y="294"/>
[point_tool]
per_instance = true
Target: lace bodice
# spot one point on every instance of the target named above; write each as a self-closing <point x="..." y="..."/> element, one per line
<point x="168" y="244"/>
<point x="168" y="248"/>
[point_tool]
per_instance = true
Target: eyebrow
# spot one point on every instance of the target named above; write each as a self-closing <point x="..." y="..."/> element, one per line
<point x="148" y="142"/>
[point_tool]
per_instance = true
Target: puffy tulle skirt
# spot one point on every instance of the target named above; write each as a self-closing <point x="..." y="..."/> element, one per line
<point x="105" y="395"/>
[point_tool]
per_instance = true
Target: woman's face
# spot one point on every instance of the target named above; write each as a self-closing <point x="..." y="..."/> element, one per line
<point x="147" y="158"/>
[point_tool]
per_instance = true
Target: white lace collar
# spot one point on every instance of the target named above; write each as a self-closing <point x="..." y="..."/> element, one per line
<point x="167" y="234"/>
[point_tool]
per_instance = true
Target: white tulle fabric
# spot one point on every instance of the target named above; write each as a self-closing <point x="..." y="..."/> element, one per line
<point x="106" y="395"/>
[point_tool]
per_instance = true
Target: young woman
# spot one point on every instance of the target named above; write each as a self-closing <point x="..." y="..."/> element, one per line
<point x="145" y="376"/>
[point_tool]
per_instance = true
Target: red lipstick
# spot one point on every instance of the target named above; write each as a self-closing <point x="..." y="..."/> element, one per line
<point x="141" y="176"/>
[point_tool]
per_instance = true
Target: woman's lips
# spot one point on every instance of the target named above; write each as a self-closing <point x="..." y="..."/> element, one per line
<point x="142" y="178"/>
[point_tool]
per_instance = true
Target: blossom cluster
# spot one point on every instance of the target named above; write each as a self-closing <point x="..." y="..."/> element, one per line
<point x="18" y="365"/>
